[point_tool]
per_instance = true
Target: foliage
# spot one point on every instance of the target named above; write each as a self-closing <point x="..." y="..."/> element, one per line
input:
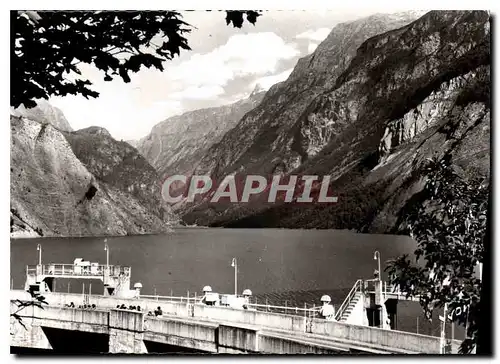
<point x="236" y="17"/>
<point x="37" y="300"/>
<point x="448" y="221"/>
<point x="48" y="46"/>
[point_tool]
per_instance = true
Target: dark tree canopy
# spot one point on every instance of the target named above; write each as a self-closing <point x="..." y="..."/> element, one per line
<point x="48" y="45"/>
<point x="448" y="221"/>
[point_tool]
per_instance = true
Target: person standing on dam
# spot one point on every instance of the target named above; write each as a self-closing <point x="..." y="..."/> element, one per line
<point x="327" y="311"/>
<point x="210" y="298"/>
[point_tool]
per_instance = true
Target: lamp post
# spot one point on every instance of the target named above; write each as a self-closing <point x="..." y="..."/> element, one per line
<point x="382" y="314"/>
<point x="39" y="248"/>
<point x="376" y="256"/>
<point x="106" y="248"/>
<point x="234" y="264"/>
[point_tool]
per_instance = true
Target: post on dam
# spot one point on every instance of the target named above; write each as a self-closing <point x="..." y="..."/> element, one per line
<point x="126" y="332"/>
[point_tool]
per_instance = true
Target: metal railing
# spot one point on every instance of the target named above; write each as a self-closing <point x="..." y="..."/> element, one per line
<point x="392" y="288"/>
<point x="77" y="270"/>
<point x="389" y="290"/>
<point x="306" y="311"/>
<point x="386" y="288"/>
<point x="357" y="287"/>
<point x="286" y="310"/>
<point x="174" y="299"/>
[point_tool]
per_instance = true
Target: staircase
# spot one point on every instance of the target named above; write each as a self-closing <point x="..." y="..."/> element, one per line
<point x="352" y="303"/>
<point x="353" y="297"/>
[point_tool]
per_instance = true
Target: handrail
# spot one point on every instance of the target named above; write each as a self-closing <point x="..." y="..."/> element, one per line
<point x="286" y="308"/>
<point x="102" y="266"/>
<point x="393" y="290"/>
<point x="181" y="299"/>
<point x="350" y="296"/>
<point x="77" y="270"/>
<point x="33" y="266"/>
<point x="198" y="300"/>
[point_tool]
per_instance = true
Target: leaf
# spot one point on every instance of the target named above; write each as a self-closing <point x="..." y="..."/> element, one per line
<point x="252" y="16"/>
<point x="124" y="75"/>
<point x="234" y="17"/>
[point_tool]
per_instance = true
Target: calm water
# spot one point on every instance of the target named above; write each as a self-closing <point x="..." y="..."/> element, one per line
<point x="276" y="264"/>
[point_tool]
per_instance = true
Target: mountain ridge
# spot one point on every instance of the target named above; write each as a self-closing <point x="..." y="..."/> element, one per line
<point x="44" y="113"/>
<point x="62" y="184"/>
<point x="399" y="87"/>
<point x="175" y="145"/>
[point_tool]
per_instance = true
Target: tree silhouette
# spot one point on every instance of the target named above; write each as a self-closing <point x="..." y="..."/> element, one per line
<point x="48" y="46"/>
<point x="37" y="300"/>
<point x="448" y="221"/>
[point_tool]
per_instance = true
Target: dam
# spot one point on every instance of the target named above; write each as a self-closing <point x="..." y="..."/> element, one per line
<point x="120" y="320"/>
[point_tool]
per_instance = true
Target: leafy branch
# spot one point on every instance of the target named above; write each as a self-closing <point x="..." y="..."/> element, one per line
<point x="448" y="221"/>
<point x="47" y="47"/>
<point x="37" y="301"/>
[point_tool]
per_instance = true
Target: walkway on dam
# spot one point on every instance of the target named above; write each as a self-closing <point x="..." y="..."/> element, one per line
<point x="273" y="333"/>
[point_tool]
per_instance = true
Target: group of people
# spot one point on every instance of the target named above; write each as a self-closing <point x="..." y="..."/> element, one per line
<point x="157" y="312"/>
<point x="85" y="306"/>
<point x="130" y="307"/>
<point x="92" y="307"/>
<point x="326" y="311"/>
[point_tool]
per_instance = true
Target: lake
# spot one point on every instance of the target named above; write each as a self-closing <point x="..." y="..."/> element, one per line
<point x="278" y="265"/>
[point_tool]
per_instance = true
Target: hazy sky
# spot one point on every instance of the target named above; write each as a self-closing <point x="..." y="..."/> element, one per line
<point x="224" y="65"/>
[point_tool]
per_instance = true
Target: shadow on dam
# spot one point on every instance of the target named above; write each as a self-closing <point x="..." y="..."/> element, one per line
<point x="69" y="342"/>
<point x="76" y="342"/>
<point x="159" y="348"/>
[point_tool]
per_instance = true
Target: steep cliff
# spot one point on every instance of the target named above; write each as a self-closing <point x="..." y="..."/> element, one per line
<point x="80" y="183"/>
<point x="176" y="145"/>
<point x="44" y="113"/>
<point x="261" y="141"/>
<point x="134" y="143"/>
<point x="403" y="96"/>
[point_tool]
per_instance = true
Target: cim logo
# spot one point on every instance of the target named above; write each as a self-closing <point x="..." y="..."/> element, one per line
<point x="237" y="189"/>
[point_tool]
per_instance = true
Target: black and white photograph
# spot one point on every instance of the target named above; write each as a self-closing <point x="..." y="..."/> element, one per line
<point x="259" y="182"/>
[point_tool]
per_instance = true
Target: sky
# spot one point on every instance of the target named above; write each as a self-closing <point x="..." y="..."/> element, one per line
<point x="225" y="65"/>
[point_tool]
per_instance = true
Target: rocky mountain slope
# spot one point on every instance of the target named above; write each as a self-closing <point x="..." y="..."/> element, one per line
<point x="382" y="107"/>
<point x="44" y="113"/>
<point x="80" y="183"/>
<point x="176" y="145"/>
<point x="257" y="142"/>
<point x="134" y="143"/>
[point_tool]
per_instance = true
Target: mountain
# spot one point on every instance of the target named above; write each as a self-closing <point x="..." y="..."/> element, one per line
<point x="368" y="110"/>
<point x="44" y="113"/>
<point x="80" y="183"/>
<point x="261" y="141"/>
<point x="134" y="143"/>
<point x="176" y="145"/>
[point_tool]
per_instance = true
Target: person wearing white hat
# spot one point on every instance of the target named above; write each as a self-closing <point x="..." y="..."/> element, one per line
<point x="246" y="298"/>
<point x="327" y="311"/>
<point x="209" y="298"/>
